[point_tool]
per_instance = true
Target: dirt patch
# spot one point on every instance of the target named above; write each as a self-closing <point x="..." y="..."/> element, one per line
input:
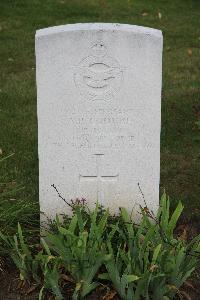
<point x="11" y="288"/>
<point x="10" y="285"/>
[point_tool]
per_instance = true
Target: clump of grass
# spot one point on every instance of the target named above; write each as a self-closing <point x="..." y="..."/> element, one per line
<point x="14" y="210"/>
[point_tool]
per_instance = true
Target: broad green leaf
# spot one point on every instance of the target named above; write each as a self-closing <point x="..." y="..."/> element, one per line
<point x="127" y="220"/>
<point x="103" y="223"/>
<point x="174" y="219"/>
<point x="79" y="218"/>
<point x="156" y="253"/>
<point x="46" y="247"/>
<point x="164" y="212"/>
<point x="22" y="243"/>
<point x="73" y="224"/>
<point x="132" y="278"/>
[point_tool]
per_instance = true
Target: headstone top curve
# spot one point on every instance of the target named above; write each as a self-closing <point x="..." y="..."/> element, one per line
<point x="98" y="26"/>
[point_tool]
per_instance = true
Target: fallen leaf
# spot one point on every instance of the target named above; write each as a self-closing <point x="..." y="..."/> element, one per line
<point x="159" y="15"/>
<point x="1" y="151"/>
<point x="189" y="51"/>
<point x="144" y="14"/>
<point x="183" y="236"/>
<point x="20" y="284"/>
<point x="32" y="289"/>
<point x="109" y="295"/>
<point x="182" y="231"/>
<point x="66" y="278"/>
<point x="185" y="295"/>
<point x="190" y="285"/>
<point x="10" y="59"/>
<point x="153" y="268"/>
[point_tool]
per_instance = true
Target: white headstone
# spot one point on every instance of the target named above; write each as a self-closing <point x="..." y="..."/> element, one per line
<point x="99" y="111"/>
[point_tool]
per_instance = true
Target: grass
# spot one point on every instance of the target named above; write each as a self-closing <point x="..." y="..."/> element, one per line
<point x="180" y="137"/>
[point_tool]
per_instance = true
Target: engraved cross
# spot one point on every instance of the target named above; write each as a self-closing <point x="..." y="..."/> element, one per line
<point x="99" y="178"/>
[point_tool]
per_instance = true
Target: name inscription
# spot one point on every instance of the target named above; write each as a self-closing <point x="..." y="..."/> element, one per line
<point x="101" y="129"/>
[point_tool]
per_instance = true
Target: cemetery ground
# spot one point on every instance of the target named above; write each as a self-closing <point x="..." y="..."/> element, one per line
<point x="180" y="133"/>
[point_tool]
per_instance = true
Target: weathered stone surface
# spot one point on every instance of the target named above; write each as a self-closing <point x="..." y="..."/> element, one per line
<point x="99" y="110"/>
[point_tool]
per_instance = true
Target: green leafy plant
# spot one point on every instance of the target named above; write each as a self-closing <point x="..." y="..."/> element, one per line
<point x="21" y="255"/>
<point x="142" y="261"/>
<point x="50" y="266"/>
<point x="80" y="247"/>
<point x="150" y="263"/>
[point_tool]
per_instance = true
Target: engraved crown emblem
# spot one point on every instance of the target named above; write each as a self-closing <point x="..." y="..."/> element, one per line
<point x="98" y="49"/>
